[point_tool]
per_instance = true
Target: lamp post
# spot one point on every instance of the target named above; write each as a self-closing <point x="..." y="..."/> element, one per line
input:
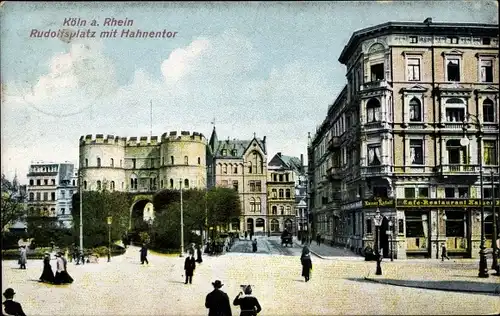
<point x="182" y="222"/>
<point x="494" y="264"/>
<point x="464" y="142"/>
<point x="110" y="221"/>
<point x="390" y="236"/>
<point x="80" y="180"/>
<point x="378" y="221"/>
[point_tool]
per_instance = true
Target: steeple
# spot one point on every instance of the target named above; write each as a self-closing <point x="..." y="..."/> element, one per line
<point x="213" y="140"/>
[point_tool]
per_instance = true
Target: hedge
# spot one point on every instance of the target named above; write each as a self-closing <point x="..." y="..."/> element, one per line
<point x="39" y="253"/>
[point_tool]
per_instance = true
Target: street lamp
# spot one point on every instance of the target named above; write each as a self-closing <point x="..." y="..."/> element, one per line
<point x="110" y="220"/>
<point x="494" y="264"/>
<point x="80" y="180"/>
<point x="378" y="222"/>
<point x="182" y="222"/>
<point x="464" y="142"/>
<point x="390" y="236"/>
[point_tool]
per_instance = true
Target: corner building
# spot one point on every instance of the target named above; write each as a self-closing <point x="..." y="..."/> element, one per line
<point x="408" y="135"/>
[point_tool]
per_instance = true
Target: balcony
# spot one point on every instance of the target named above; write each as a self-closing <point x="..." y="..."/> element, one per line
<point x="458" y="170"/>
<point x="374" y="85"/>
<point x="375" y="171"/>
<point x="334" y="173"/>
<point x="333" y="142"/>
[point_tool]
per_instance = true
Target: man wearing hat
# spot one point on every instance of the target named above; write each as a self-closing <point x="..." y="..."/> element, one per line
<point x="10" y="307"/>
<point x="217" y="301"/>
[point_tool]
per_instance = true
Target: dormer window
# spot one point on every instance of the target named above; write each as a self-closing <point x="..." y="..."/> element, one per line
<point x="224" y="152"/>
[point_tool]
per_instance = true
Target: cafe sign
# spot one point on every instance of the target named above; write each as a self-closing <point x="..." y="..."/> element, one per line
<point x="444" y="203"/>
<point x="379" y="202"/>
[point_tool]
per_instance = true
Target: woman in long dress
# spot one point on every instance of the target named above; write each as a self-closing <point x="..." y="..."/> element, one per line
<point x="198" y="254"/>
<point x="62" y="276"/>
<point x="47" y="274"/>
<point x="305" y="259"/>
<point x="23" y="257"/>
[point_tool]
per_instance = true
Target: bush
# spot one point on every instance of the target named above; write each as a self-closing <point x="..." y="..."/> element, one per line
<point x="10" y="239"/>
<point x="13" y="254"/>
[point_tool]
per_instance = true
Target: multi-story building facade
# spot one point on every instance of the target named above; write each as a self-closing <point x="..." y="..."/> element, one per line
<point x="414" y="134"/>
<point x="242" y="165"/>
<point x="143" y="167"/>
<point x="50" y="190"/>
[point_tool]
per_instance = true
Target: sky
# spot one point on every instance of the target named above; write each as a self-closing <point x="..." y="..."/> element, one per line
<point x="266" y="68"/>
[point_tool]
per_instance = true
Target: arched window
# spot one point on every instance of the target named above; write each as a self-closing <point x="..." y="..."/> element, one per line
<point x="133" y="182"/>
<point x="171" y="160"/>
<point x="282" y="210"/>
<point x="186" y="183"/>
<point x="235" y="171"/>
<point x="186" y="160"/>
<point x="224" y="168"/>
<point x="98" y="162"/>
<point x="86" y="162"/>
<point x="98" y="185"/>
<point x="257" y="204"/>
<point x="488" y="111"/>
<point x="85" y="185"/>
<point x="171" y="183"/>
<point x="31" y="182"/>
<point x="252" y="204"/>
<point x="373" y="110"/>
<point x="288" y="210"/>
<point x="112" y="185"/>
<point x="32" y="196"/>
<point x="256" y="163"/>
<point x="199" y="160"/>
<point x="275" y="225"/>
<point x="152" y="182"/>
<point x="280" y="193"/>
<point x="415" y="110"/>
<point x="112" y="163"/>
<point x="287" y="193"/>
<point x="455" y="110"/>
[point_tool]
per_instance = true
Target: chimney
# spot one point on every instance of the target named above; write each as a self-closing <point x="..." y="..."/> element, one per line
<point x="301" y="160"/>
<point x="279" y="154"/>
<point x="428" y="21"/>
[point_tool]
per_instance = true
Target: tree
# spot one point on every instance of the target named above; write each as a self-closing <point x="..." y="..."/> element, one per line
<point x="223" y="205"/>
<point x="13" y="197"/>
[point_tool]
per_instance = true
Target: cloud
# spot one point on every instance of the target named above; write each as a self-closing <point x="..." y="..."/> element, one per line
<point x="219" y="76"/>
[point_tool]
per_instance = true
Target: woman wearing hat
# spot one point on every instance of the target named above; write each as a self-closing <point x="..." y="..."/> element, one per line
<point x="47" y="274"/>
<point x="9" y="306"/>
<point x="249" y="304"/>
<point x="62" y="276"/>
<point x="305" y="259"/>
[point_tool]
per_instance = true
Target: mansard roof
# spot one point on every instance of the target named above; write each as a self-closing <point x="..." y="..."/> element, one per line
<point x="235" y="148"/>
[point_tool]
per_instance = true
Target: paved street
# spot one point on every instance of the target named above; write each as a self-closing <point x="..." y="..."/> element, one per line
<point x="124" y="287"/>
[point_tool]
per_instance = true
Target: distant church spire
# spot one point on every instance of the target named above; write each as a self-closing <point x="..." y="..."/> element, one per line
<point x="213" y="139"/>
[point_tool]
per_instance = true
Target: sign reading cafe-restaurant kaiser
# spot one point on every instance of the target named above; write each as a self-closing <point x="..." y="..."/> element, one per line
<point x="381" y="202"/>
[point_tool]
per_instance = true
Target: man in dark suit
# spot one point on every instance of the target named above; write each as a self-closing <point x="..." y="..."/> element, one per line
<point x="217" y="301"/>
<point x="11" y="307"/>
<point x="189" y="266"/>
<point x="144" y="254"/>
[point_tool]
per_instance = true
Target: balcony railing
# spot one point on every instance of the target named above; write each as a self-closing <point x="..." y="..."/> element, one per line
<point x="334" y="173"/>
<point x="374" y="84"/>
<point x="375" y="171"/>
<point x="333" y="142"/>
<point x="457" y="169"/>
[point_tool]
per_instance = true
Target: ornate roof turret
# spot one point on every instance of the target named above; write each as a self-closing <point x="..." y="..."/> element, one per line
<point x="213" y="140"/>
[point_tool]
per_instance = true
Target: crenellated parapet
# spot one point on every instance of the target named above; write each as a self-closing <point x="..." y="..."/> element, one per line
<point x="100" y="139"/>
<point x="183" y="136"/>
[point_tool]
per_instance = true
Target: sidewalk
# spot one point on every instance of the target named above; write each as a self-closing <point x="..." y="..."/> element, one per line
<point x="330" y="253"/>
<point x="453" y="277"/>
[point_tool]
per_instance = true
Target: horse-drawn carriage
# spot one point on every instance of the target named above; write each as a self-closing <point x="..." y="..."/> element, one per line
<point x="286" y="239"/>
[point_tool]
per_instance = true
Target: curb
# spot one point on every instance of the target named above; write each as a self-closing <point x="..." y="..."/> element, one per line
<point x="382" y="281"/>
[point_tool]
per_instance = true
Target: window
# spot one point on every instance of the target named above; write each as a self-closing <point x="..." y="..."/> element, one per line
<point x="120" y="163"/>
<point x="38" y="182"/>
<point x="257" y="204"/>
<point x="86" y="162"/>
<point x="186" y="160"/>
<point x="415" y="110"/>
<point x="38" y="196"/>
<point x="281" y="193"/>
<point x="455" y="152"/>
<point x="258" y="186"/>
<point x="45" y="196"/>
<point x="53" y="181"/>
<point x="31" y="182"/>
<point x="275" y="177"/>
<point x="413" y="39"/>
<point x="252" y="186"/>
<point x="449" y="192"/>
<point x="112" y="163"/>
<point x="186" y="183"/>
<point x="410" y="193"/>
<point x="133" y="182"/>
<point x="401" y="226"/>
<point x="98" y="185"/>
<point x="32" y="196"/>
<point x="235" y="185"/>
<point x="275" y="225"/>
<point x="374" y="155"/>
<point x="379" y="191"/>
<point x="85" y="185"/>
<point x="413" y="68"/>
<point x="63" y="211"/>
<point x="98" y="162"/>
<point x="199" y="160"/>
<point x="373" y="111"/>
<point x="486" y="70"/>
<point x="423" y="192"/>
<point x="455" y="224"/>
<point x="171" y="160"/>
<point x="463" y="193"/>
<point x="287" y="178"/>
<point x="63" y="195"/>
<point x="490" y="153"/>
<point x="134" y="163"/>
<point x="152" y="183"/>
<point x="452" y="40"/>
<point x="171" y="183"/>
<point x="488" y="111"/>
<point x="252" y="204"/>
<point x="288" y="210"/>
<point x="274" y="210"/>
<point x="416" y="151"/>
<point x="274" y="193"/>
<point x="224" y="152"/>
<point x="377" y="72"/>
<point x="45" y="182"/>
<point x="453" y="69"/>
<point x="287" y="193"/>
<point x="455" y="114"/>
<point x="235" y="171"/>
<point x="282" y="210"/>
<point x="369" y="226"/>
<point x="74" y="183"/>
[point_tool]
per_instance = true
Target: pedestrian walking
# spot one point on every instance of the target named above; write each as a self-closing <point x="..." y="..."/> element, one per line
<point x="249" y="304"/>
<point x="62" y="276"/>
<point x="254" y="245"/>
<point x="251" y="235"/>
<point x="217" y="301"/>
<point x="191" y="249"/>
<point x="444" y="252"/>
<point x="23" y="257"/>
<point x="318" y="239"/>
<point x="198" y="254"/>
<point x="189" y="266"/>
<point x="144" y="254"/>
<point x="11" y="307"/>
<point x="47" y="273"/>
<point x="305" y="260"/>
<point x="246" y="234"/>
